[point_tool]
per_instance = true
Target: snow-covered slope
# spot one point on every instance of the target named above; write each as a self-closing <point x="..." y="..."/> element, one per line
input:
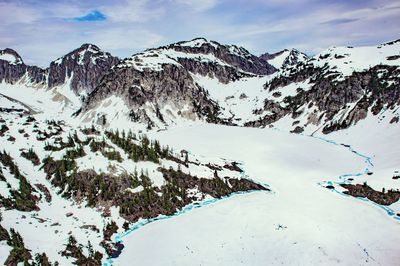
<point x="159" y="87"/>
<point x="71" y="184"/>
<point x="79" y="161"/>
<point x="345" y="85"/>
<point x="346" y="60"/>
<point x="285" y="58"/>
<point x="10" y="56"/>
<point x="301" y="223"/>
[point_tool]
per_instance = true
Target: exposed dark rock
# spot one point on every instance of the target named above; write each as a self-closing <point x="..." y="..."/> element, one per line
<point x="213" y="167"/>
<point x="86" y="66"/>
<point x="11" y="72"/>
<point x="297" y="130"/>
<point x="277" y="94"/>
<point x="45" y="191"/>
<point x="31" y="156"/>
<point x="393" y="57"/>
<point x="367" y="89"/>
<point x="243" y="96"/>
<point x="395" y="119"/>
<point x="233" y="55"/>
<point x="234" y="166"/>
<point x="90" y="227"/>
<point x="292" y="59"/>
<point x="159" y="88"/>
<point x="364" y="191"/>
<point x="268" y="56"/>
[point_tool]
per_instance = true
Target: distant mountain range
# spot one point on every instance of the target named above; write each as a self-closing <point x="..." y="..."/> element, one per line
<point x="205" y="80"/>
<point x="78" y="172"/>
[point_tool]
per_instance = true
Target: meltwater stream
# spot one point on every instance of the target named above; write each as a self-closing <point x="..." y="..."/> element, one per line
<point x="343" y="179"/>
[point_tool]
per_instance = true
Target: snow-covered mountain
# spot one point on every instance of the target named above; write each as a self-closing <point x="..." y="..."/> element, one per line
<point x="205" y="80"/>
<point x="95" y="147"/>
<point x="159" y="86"/>
<point x="83" y="68"/>
<point x="285" y="58"/>
<point x="334" y="90"/>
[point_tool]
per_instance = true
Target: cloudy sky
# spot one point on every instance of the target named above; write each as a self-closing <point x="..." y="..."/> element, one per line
<point x="42" y="30"/>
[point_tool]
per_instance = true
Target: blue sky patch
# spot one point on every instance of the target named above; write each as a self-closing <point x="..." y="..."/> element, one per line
<point x="92" y="16"/>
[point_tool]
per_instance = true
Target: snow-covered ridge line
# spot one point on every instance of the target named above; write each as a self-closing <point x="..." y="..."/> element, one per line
<point x="346" y="60"/>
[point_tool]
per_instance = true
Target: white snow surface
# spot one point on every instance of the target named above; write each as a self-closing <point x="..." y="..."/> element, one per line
<point x="12" y="59"/>
<point x="154" y="59"/>
<point x="9" y="104"/>
<point x="197" y="43"/>
<point x="346" y="60"/>
<point x="300" y="223"/>
<point x="277" y="62"/>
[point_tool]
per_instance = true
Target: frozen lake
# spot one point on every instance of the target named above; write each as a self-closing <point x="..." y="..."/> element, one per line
<point x="300" y="223"/>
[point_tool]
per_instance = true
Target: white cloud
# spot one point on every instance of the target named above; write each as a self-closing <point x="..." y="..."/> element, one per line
<point x="124" y="38"/>
<point x="16" y="13"/>
<point x="132" y="11"/>
<point x="198" y="5"/>
<point x="132" y="26"/>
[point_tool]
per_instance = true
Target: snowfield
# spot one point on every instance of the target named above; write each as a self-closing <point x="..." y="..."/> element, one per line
<point x="300" y="223"/>
<point x="302" y="218"/>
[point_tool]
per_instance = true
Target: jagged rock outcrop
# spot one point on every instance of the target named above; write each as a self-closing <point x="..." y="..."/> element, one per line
<point x="338" y="103"/>
<point x="157" y="79"/>
<point x="285" y="58"/>
<point x="13" y="69"/>
<point x="85" y="67"/>
<point x="150" y="91"/>
<point x="268" y="56"/>
<point x="234" y="56"/>
<point x="335" y="89"/>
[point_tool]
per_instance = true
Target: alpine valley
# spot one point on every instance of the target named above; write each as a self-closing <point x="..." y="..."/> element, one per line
<point x="200" y="153"/>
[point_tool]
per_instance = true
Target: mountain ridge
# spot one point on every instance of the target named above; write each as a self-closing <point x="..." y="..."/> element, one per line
<point x="163" y="85"/>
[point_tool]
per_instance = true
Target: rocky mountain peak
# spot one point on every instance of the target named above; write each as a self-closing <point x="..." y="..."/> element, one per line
<point x="295" y="57"/>
<point x="285" y="58"/>
<point x="89" y="46"/>
<point x="11" y="56"/>
<point x="197" y="42"/>
<point x="84" y="51"/>
<point x="268" y="56"/>
<point x="83" y="68"/>
<point x="232" y="55"/>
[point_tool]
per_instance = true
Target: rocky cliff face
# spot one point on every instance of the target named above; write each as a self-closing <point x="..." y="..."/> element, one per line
<point x="13" y="68"/>
<point x="285" y="59"/>
<point x="151" y="94"/>
<point x="342" y="89"/>
<point x="188" y="80"/>
<point x="84" y="66"/>
<point x="232" y="55"/>
<point x="160" y="81"/>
